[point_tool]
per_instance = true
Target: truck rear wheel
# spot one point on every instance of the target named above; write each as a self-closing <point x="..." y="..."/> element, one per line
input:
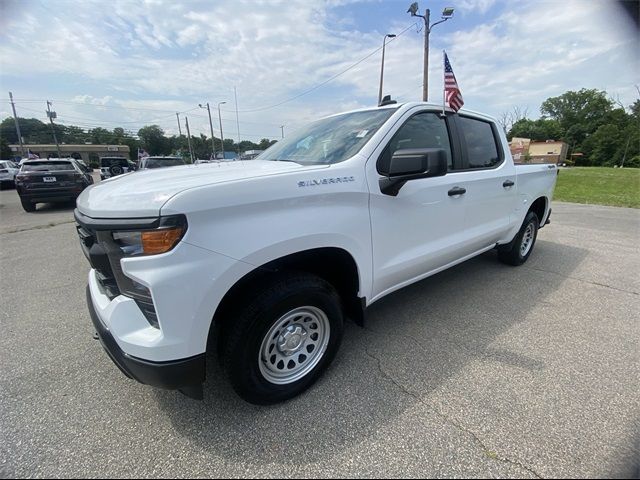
<point x="279" y="343"/>
<point x="517" y="252"/>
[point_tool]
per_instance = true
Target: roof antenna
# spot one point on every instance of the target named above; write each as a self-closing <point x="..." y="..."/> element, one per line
<point x="386" y="100"/>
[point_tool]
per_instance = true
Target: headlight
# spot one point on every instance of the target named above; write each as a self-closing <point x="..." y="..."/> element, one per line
<point x="148" y="242"/>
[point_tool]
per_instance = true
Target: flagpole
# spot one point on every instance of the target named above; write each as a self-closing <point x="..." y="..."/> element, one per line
<point x="444" y="88"/>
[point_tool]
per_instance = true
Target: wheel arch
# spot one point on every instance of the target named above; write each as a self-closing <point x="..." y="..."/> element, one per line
<point x="334" y="264"/>
<point x="539" y="206"/>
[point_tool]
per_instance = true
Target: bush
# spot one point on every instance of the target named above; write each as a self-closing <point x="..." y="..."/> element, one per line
<point x="633" y="162"/>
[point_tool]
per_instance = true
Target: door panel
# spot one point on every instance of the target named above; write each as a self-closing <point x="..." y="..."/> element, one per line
<point x="421" y="228"/>
<point x="489" y="201"/>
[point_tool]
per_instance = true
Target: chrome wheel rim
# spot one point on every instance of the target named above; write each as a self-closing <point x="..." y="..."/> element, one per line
<point x="294" y="345"/>
<point x="527" y="240"/>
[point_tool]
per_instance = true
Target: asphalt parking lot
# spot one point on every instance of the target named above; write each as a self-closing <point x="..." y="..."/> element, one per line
<point x="480" y="371"/>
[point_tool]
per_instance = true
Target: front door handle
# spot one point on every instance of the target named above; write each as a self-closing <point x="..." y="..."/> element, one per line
<point x="508" y="183"/>
<point x="457" y="191"/>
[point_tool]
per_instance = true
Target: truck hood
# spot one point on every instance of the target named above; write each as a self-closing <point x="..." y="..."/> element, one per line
<point x="143" y="193"/>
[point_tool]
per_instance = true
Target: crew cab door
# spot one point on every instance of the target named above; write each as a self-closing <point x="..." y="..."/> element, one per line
<point x="490" y="180"/>
<point x="420" y="229"/>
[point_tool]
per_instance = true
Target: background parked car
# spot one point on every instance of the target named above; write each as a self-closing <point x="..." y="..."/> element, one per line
<point x="113" y="166"/>
<point x="160" y="162"/>
<point x="50" y="181"/>
<point x="8" y="172"/>
<point x="250" y="154"/>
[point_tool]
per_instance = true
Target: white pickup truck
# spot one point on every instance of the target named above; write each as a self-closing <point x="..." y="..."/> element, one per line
<point x="264" y="259"/>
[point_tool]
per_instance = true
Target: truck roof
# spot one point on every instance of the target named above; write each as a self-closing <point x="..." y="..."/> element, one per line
<point x="408" y="105"/>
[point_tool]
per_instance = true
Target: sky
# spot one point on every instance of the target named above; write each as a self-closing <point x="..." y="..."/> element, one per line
<point x="134" y="63"/>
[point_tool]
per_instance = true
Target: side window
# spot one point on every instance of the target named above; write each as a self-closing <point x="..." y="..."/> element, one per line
<point x="424" y="130"/>
<point x="482" y="149"/>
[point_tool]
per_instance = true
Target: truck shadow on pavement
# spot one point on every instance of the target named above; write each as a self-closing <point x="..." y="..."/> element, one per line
<point x="414" y="341"/>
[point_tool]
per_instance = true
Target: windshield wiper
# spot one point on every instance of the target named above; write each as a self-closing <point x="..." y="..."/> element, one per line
<point x="286" y="160"/>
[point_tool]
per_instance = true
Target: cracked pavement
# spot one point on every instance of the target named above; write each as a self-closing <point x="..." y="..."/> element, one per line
<point x="483" y="370"/>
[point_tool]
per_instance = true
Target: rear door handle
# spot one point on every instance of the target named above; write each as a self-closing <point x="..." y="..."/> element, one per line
<point x="508" y="183"/>
<point x="457" y="191"/>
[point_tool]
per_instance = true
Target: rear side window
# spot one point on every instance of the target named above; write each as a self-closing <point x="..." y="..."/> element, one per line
<point x="482" y="149"/>
<point x="424" y="130"/>
<point x="46" y="166"/>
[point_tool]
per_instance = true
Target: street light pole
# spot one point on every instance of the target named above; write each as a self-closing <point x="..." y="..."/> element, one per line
<point x="213" y="141"/>
<point x="221" y="135"/>
<point x="282" y="128"/>
<point x="389" y="35"/>
<point x="447" y="13"/>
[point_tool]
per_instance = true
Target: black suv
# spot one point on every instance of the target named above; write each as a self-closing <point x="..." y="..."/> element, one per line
<point x="52" y="180"/>
<point x="113" y="166"/>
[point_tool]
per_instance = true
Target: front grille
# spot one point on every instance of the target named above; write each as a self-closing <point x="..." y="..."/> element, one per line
<point x="99" y="260"/>
<point x="104" y="256"/>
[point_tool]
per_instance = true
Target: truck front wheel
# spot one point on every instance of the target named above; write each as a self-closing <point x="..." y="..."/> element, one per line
<point x="517" y="252"/>
<point x="281" y="340"/>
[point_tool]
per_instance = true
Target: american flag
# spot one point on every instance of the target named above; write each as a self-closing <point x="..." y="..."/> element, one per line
<point x="452" y="94"/>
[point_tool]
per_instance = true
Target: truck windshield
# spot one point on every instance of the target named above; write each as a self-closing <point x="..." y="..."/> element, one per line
<point x="330" y="140"/>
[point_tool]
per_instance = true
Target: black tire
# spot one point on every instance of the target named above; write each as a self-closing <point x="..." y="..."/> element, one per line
<point x="28" y="206"/>
<point x="245" y="332"/>
<point x="116" y="170"/>
<point x="512" y="253"/>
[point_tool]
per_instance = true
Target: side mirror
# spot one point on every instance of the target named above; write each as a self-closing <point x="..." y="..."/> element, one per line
<point x="412" y="164"/>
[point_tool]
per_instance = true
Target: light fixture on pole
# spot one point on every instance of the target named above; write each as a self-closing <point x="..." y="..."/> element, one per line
<point x="221" y="135"/>
<point x="388" y="35"/>
<point x="447" y="13"/>
<point x="213" y="141"/>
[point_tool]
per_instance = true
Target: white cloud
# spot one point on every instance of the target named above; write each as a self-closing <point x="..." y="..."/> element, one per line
<point x="154" y="58"/>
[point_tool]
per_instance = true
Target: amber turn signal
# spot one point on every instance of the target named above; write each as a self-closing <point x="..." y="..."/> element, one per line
<point x="161" y="241"/>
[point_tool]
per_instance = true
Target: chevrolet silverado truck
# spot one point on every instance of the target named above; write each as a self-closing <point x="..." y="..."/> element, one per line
<point x="263" y="260"/>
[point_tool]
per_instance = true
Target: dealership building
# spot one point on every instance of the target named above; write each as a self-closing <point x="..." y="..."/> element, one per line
<point x="87" y="152"/>
<point x="523" y="149"/>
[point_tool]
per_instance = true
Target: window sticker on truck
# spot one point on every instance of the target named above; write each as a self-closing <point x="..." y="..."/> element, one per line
<point x="325" y="181"/>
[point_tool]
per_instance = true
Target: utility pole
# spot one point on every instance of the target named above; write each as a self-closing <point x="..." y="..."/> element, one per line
<point x="624" y="157"/>
<point x="51" y="116"/>
<point x="189" y="138"/>
<point x="15" y="119"/>
<point x="179" y="128"/>
<point x="425" y="72"/>
<point x="213" y="141"/>
<point x="235" y="94"/>
<point x="282" y="128"/>
<point x="447" y="13"/>
<point x="221" y="134"/>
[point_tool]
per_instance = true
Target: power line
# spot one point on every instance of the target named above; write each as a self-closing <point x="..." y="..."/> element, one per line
<point x="20" y="102"/>
<point x="329" y="79"/>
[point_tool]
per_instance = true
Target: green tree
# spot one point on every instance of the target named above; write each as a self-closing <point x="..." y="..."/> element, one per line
<point x="5" y="151"/>
<point x="265" y="143"/>
<point x="153" y="140"/>
<point x="537" y="130"/>
<point x="579" y="114"/>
